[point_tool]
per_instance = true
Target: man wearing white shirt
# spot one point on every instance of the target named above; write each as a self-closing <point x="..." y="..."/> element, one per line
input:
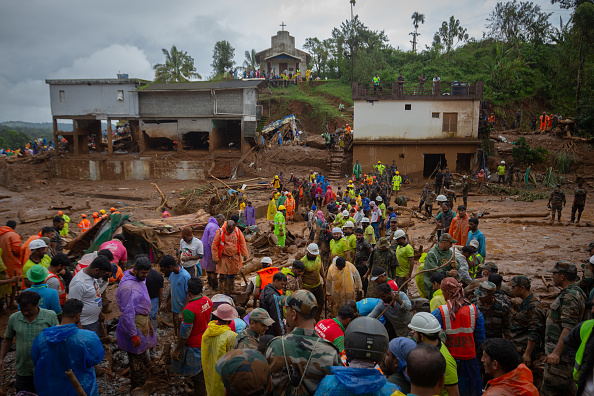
<point x="191" y="251"/>
<point x="84" y="287"/>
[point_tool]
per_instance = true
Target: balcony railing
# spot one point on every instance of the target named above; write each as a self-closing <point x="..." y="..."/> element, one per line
<point x="440" y="90"/>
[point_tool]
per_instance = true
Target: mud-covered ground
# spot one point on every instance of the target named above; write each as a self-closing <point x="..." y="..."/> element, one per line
<point x="527" y="246"/>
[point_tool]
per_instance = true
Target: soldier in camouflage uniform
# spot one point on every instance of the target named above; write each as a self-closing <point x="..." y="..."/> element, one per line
<point x="566" y="311"/>
<point x="557" y="202"/>
<point x="249" y="338"/>
<point x="300" y="359"/>
<point x="579" y="201"/>
<point x="245" y="373"/>
<point x="527" y="323"/>
<point x="497" y="316"/>
<point x="451" y="196"/>
<point x="390" y="236"/>
<point x="383" y="257"/>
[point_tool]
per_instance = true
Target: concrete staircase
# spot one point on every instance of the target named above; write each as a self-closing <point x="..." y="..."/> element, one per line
<point x="337" y="165"/>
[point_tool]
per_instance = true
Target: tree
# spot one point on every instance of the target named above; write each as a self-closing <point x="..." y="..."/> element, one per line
<point x="222" y="57"/>
<point x="417" y="18"/>
<point x="178" y="67"/>
<point x="515" y="22"/>
<point x="447" y="33"/>
<point x="250" y="59"/>
<point x="319" y="53"/>
<point x="567" y="4"/>
<point x="583" y="27"/>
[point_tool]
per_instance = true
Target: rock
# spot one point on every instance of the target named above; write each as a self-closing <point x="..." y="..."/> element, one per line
<point x="292" y="249"/>
<point x="299" y="242"/>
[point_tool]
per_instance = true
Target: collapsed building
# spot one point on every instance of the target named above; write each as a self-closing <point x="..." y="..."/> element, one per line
<point x="216" y="120"/>
<point x="420" y="126"/>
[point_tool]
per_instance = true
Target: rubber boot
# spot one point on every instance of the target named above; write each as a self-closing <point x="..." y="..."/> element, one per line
<point x="215" y="283"/>
<point x="230" y="286"/>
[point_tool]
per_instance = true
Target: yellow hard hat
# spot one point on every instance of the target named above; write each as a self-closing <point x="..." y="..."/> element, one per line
<point x="379" y="162"/>
<point x="102" y="211"/>
<point x="281" y="207"/>
<point x="397" y="172"/>
<point x="350" y="181"/>
<point x="276" y="177"/>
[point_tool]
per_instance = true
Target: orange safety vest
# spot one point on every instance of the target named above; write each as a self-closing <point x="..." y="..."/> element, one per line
<point x="61" y="290"/>
<point x="460" y="332"/>
<point x="266" y="275"/>
<point x="96" y="220"/>
<point x="84" y="225"/>
<point x="222" y="243"/>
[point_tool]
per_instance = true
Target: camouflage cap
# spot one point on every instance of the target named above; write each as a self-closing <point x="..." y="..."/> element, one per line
<point x="420" y="304"/>
<point x="261" y="315"/>
<point x="383" y="242"/>
<point x="520" y="280"/>
<point x="565" y="267"/>
<point x="490" y="266"/>
<point x="301" y="301"/>
<point x="447" y="237"/>
<point x="590" y="246"/>
<point x="245" y="372"/>
<point x="486" y="289"/>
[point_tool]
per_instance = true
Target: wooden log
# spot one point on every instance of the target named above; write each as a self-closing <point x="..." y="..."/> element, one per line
<point x="220" y="181"/>
<point x="164" y="202"/>
<point x="74" y="381"/>
<point x="515" y="215"/>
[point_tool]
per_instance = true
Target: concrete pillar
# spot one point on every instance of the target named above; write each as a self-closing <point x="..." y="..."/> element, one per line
<point x="56" y="140"/>
<point x="109" y="138"/>
<point x="75" y="133"/>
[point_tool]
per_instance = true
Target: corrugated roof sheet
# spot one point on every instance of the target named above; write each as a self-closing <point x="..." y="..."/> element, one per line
<point x="203" y="85"/>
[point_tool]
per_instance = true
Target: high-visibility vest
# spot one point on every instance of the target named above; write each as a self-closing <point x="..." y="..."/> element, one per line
<point x="84" y="225"/>
<point x="585" y="332"/>
<point x="222" y="243"/>
<point x="460" y="332"/>
<point x="266" y="275"/>
<point x="376" y="80"/>
<point x="61" y="289"/>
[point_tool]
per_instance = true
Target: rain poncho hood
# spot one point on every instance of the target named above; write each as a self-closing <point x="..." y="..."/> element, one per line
<point x="216" y="341"/>
<point x="60" y="348"/>
<point x="517" y="382"/>
<point x="359" y="380"/>
<point x="209" y="233"/>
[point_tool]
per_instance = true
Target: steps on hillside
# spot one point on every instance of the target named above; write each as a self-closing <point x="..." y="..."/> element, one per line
<point x="262" y="123"/>
<point x="336" y="164"/>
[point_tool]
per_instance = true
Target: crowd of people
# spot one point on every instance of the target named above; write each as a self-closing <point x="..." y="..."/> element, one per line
<point x="32" y="147"/>
<point x="338" y="321"/>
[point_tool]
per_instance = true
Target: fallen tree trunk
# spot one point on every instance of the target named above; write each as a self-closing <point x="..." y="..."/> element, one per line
<point x="514" y="215"/>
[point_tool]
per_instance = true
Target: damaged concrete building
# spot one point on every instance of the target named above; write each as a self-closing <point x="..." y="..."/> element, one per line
<point x="421" y="126"/>
<point x="216" y="120"/>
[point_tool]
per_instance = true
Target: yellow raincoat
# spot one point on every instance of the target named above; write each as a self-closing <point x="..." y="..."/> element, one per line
<point x="217" y="340"/>
<point x="419" y="278"/>
<point x="7" y="288"/>
<point x="271" y="210"/>
<point x="342" y="285"/>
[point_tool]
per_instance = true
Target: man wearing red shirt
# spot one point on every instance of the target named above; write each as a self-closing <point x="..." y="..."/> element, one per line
<point x="379" y="275"/>
<point x="187" y="356"/>
<point x="333" y="329"/>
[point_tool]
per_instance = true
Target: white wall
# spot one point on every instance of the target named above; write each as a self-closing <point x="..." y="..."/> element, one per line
<point x="95" y="99"/>
<point x="388" y="120"/>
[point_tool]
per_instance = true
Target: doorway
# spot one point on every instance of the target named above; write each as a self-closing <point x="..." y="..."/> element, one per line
<point x="195" y="141"/>
<point x="432" y="162"/>
<point x="463" y="161"/>
<point x="282" y="67"/>
<point x="226" y="134"/>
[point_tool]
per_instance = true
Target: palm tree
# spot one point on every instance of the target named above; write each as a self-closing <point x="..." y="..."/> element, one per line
<point x="417" y="18"/>
<point x="178" y="67"/>
<point x="250" y="59"/>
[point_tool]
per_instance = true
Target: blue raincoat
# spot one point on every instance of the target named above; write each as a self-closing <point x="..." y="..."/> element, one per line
<point x="58" y="349"/>
<point x="348" y="381"/>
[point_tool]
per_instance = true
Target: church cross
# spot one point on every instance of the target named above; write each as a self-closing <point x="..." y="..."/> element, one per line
<point x="282" y="25"/>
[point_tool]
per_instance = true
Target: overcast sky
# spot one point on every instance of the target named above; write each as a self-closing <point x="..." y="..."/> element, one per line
<point x="41" y="39"/>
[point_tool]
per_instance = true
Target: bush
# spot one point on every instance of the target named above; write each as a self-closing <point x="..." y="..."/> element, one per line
<point x="524" y="154"/>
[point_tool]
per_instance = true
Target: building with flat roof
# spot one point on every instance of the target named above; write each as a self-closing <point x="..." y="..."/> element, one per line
<point x="420" y="126"/>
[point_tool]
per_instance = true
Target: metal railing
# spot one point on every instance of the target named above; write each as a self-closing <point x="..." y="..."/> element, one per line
<point x="418" y="90"/>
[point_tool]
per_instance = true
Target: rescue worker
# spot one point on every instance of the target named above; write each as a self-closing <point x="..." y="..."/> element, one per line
<point x="96" y="218"/>
<point x="557" y="202"/>
<point x="279" y="226"/>
<point x="501" y="172"/>
<point x="579" y="201"/>
<point x="357" y="170"/>
<point x="276" y="183"/>
<point x="263" y="277"/>
<point x="64" y="231"/>
<point x="543" y="121"/>
<point x="464" y="325"/>
<point x="249" y="338"/>
<point x="396" y="181"/>
<point x="84" y="224"/>
<point x="497" y="316"/>
<point x="333" y="329"/>
<point x="580" y="339"/>
<point x="290" y="205"/>
<point x="376" y="83"/>
<point x="566" y="312"/>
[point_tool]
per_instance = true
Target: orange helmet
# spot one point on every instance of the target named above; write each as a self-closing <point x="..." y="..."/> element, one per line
<point x="112" y="209"/>
<point x="95" y="214"/>
<point x="84" y="216"/>
<point x="60" y="213"/>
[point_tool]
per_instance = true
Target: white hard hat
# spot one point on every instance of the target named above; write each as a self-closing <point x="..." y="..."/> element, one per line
<point x="425" y="323"/>
<point x="441" y="198"/>
<point x="378" y="198"/>
<point x="345" y="213"/>
<point x="266" y="260"/>
<point x="503" y="162"/>
<point x="37" y="244"/>
<point x="399" y="234"/>
<point x="313" y="249"/>
<point x="348" y="224"/>
<point x="365" y="220"/>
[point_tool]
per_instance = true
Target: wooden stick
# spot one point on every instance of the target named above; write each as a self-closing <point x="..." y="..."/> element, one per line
<point x="219" y="180"/>
<point x="164" y="202"/>
<point x="72" y="378"/>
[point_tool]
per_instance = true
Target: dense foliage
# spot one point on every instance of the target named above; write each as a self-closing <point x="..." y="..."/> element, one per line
<point x="524" y="154"/>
